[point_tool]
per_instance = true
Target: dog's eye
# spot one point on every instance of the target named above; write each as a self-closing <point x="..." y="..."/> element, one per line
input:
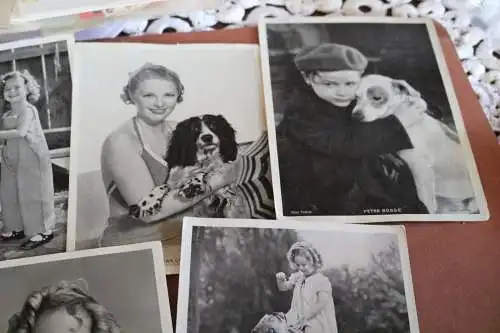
<point x="377" y="95"/>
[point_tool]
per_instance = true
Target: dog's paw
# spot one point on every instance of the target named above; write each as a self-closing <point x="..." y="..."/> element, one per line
<point x="194" y="187"/>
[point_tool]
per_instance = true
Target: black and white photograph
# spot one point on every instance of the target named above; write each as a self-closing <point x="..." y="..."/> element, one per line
<point x="35" y="130"/>
<point x="364" y="124"/>
<point x="168" y="131"/>
<point x="293" y="276"/>
<point x="118" y="289"/>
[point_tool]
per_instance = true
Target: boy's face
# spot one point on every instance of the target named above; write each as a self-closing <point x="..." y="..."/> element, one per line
<point x="337" y="87"/>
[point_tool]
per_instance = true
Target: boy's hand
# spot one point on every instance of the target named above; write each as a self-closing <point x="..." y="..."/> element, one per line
<point x="301" y="323"/>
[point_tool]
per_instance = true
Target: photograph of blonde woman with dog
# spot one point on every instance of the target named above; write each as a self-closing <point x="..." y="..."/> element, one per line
<point x="170" y="143"/>
<point x="115" y="290"/>
<point x="295" y="277"/>
<point x="363" y="126"/>
<point x="35" y="106"/>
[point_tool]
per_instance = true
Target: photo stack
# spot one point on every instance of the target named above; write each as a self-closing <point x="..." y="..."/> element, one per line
<point x="248" y="170"/>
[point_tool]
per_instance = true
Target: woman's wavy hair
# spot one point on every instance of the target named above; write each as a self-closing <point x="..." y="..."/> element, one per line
<point x="148" y="71"/>
<point x="69" y="295"/>
<point x="32" y="86"/>
<point x="304" y="248"/>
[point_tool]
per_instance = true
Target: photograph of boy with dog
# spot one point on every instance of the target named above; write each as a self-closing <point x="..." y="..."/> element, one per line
<point x="362" y="123"/>
<point x="294" y="277"/>
<point x="180" y="133"/>
<point x="35" y="127"/>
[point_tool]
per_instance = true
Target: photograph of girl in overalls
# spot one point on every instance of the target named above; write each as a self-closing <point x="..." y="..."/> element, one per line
<point x="26" y="183"/>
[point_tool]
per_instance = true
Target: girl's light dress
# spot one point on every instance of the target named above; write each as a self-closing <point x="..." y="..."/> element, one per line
<point x="305" y="295"/>
<point x="26" y="186"/>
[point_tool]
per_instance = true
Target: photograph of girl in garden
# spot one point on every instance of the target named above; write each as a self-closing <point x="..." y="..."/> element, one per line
<point x="295" y="277"/>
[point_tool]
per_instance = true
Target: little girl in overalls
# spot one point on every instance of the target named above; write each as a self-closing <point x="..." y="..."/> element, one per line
<point x="26" y="185"/>
<point x="312" y="308"/>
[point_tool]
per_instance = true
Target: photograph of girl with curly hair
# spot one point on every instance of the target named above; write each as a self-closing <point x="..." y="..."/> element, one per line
<point x="94" y="291"/>
<point x="169" y="142"/>
<point x="63" y="307"/>
<point x="35" y="120"/>
<point x="294" y="277"/>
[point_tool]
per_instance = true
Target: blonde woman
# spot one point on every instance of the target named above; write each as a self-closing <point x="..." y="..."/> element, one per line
<point x="26" y="184"/>
<point x="64" y="307"/>
<point x="133" y="159"/>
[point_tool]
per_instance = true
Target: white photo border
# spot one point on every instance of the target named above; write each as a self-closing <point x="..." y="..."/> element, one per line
<point x="187" y="233"/>
<point x="159" y="270"/>
<point x="484" y="213"/>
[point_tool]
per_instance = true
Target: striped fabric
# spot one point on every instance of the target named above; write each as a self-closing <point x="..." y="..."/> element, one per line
<point x="255" y="179"/>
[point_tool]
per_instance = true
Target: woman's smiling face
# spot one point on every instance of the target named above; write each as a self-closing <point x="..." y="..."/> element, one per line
<point x="155" y="99"/>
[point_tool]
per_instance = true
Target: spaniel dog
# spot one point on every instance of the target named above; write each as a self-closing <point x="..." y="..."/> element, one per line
<point x="199" y="147"/>
<point x="274" y="323"/>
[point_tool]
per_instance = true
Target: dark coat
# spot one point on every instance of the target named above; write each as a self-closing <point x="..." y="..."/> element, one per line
<point x="332" y="164"/>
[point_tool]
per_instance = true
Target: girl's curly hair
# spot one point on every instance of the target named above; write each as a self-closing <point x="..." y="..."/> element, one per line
<point x="71" y="296"/>
<point x="304" y="248"/>
<point x="32" y="86"/>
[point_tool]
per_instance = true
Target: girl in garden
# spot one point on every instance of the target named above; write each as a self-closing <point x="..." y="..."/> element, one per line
<point x="312" y="309"/>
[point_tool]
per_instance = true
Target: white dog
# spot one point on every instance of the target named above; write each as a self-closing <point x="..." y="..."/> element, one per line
<point x="437" y="162"/>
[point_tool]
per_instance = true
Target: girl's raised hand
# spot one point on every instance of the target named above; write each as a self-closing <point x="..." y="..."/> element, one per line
<point x="281" y="277"/>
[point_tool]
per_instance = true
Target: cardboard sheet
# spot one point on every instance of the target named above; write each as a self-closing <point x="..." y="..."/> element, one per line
<point x="455" y="266"/>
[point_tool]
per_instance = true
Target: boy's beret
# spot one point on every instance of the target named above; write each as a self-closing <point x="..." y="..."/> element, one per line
<point x="330" y="57"/>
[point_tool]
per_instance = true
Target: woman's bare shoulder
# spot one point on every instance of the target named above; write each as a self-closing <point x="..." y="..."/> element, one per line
<point x="122" y="137"/>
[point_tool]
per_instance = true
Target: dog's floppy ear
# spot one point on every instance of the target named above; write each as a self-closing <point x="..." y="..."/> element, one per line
<point x="228" y="145"/>
<point x="403" y="87"/>
<point x="182" y="147"/>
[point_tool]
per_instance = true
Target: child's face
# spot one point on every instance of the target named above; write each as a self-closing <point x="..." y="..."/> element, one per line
<point x="338" y="87"/>
<point x="60" y="321"/>
<point x="304" y="263"/>
<point x="14" y="90"/>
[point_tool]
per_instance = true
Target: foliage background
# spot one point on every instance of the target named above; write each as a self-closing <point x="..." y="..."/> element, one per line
<point x="233" y="282"/>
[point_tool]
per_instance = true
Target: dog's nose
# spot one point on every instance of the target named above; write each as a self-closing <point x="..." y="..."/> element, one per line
<point x="207" y="138"/>
<point x="357" y="114"/>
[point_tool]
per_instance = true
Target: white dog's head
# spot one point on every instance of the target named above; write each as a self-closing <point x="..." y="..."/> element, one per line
<point x="380" y="96"/>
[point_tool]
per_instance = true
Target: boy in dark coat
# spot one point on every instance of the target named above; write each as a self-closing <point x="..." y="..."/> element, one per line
<point x="332" y="164"/>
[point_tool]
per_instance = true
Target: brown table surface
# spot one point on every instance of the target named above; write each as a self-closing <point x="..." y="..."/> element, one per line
<point x="455" y="266"/>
